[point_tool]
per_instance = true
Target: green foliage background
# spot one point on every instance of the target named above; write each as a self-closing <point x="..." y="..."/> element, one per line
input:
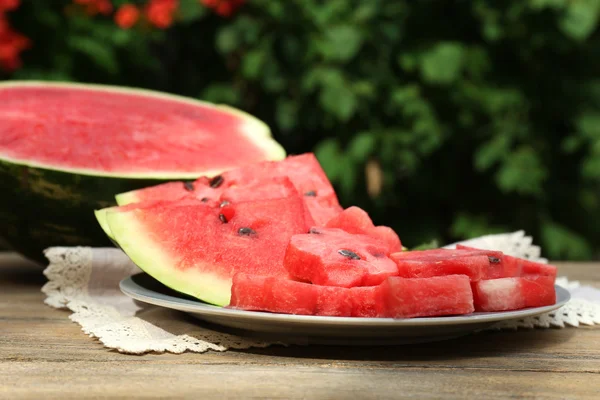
<point x="483" y="116"/>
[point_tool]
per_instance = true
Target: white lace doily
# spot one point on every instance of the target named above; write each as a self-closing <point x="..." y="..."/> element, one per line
<point x="86" y="281"/>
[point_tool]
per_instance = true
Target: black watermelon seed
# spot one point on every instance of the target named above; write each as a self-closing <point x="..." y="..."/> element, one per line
<point x="350" y="254"/>
<point x="189" y="186"/>
<point x="204" y="199"/>
<point x="216" y="181"/>
<point x="311" y="193"/>
<point x="223" y="218"/>
<point x="224" y="203"/>
<point x="314" y="231"/>
<point x="494" y="260"/>
<point x="246" y="231"/>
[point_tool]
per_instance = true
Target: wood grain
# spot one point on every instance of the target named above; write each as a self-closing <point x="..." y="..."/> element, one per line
<point x="44" y="355"/>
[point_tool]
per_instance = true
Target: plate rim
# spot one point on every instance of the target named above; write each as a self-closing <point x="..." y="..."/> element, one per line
<point x="134" y="290"/>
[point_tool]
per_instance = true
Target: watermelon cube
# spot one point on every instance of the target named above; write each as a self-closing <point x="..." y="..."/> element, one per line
<point x="426" y="297"/>
<point x="513" y="293"/>
<point x="332" y="257"/>
<point x="269" y="293"/>
<point x="410" y="266"/>
<point x="356" y="220"/>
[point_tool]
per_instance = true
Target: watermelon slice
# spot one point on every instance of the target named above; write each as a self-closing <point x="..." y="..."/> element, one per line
<point x="514" y="293"/>
<point x="66" y="149"/>
<point x="356" y="220"/>
<point x="396" y="297"/>
<point x="304" y="171"/>
<point x="196" y="248"/>
<point x="332" y="257"/>
<point x="510" y="266"/>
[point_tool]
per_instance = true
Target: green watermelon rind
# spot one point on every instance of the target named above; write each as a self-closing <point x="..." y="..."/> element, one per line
<point x="134" y="240"/>
<point x="41" y="208"/>
<point x="101" y="218"/>
<point x="255" y="131"/>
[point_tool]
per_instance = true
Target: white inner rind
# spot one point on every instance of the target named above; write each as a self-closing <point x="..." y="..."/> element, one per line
<point x="253" y="129"/>
<point x="147" y="254"/>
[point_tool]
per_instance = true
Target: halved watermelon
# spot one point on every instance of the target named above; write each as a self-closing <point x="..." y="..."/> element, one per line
<point x="332" y="257"/>
<point x="196" y="248"/>
<point x="66" y="149"/>
<point x="304" y="171"/>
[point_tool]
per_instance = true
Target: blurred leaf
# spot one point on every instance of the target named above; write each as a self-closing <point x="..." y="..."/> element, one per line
<point x="339" y="100"/>
<point x="560" y="243"/>
<point x="190" y="11"/>
<point x="580" y="19"/>
<point x="443" y="63"/>
<point x="329" y="154"/>
<point x="427" y="246"/>
<point x="341" y="43"/>
<point x="522" y="172"/>
<point x="361" y="146"/>
<point x="101" y="54"/>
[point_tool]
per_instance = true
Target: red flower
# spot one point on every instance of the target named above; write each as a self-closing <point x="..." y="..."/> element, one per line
<point x="160" y="12"/>
<point x="11" y="46"/>
<point x="127" y="15"/>
<point x="9" y="5"/>
<point x="11" y="43"/>
<point x="224" y="8"/>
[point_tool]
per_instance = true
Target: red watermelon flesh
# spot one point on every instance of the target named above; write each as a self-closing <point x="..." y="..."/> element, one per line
<point x="506" y="294"/>
<point x="368" y="301"/>
<point x="304" y="171"/>
<point x="510" y="266"/>
<point x="106" y="130"/>
<point x="356" y="220"/>
<point x="332" y="257"/>
<point x="428" y="297"/>
<point x="420" y="267"/>
<point x="197" y="248"/>
<point x="395" y="297"/>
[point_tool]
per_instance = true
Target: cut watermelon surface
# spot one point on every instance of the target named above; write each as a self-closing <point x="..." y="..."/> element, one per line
<point x="304" y="171"/>
<point x="356" y="220"/>
<point x="394" y="298"/>
<point x="332" y="257"/>
<point x="102" y="130"/>
<point x="196" y="248"/>
<point x="509" y="266"/>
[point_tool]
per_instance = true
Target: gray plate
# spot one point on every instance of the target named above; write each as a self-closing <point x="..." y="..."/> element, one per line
<point x="303" y="329"/>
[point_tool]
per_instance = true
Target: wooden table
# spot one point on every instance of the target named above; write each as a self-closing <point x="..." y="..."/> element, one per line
<point x="45" y="355"/>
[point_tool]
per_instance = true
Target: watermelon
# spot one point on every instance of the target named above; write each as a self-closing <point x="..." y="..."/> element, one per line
<point x="332" y="257"/>
<point x="66" y="149"/>
<point x="395" y="297"/>
<point x="421" y="267"/>
<point x="509" y="266"/>
<point x="505" y="294"/>
<point x="426" y="297"/>
<point x="303" y="170"/>
<point x="196" y="248"/>
<point x="356" y="220"/>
